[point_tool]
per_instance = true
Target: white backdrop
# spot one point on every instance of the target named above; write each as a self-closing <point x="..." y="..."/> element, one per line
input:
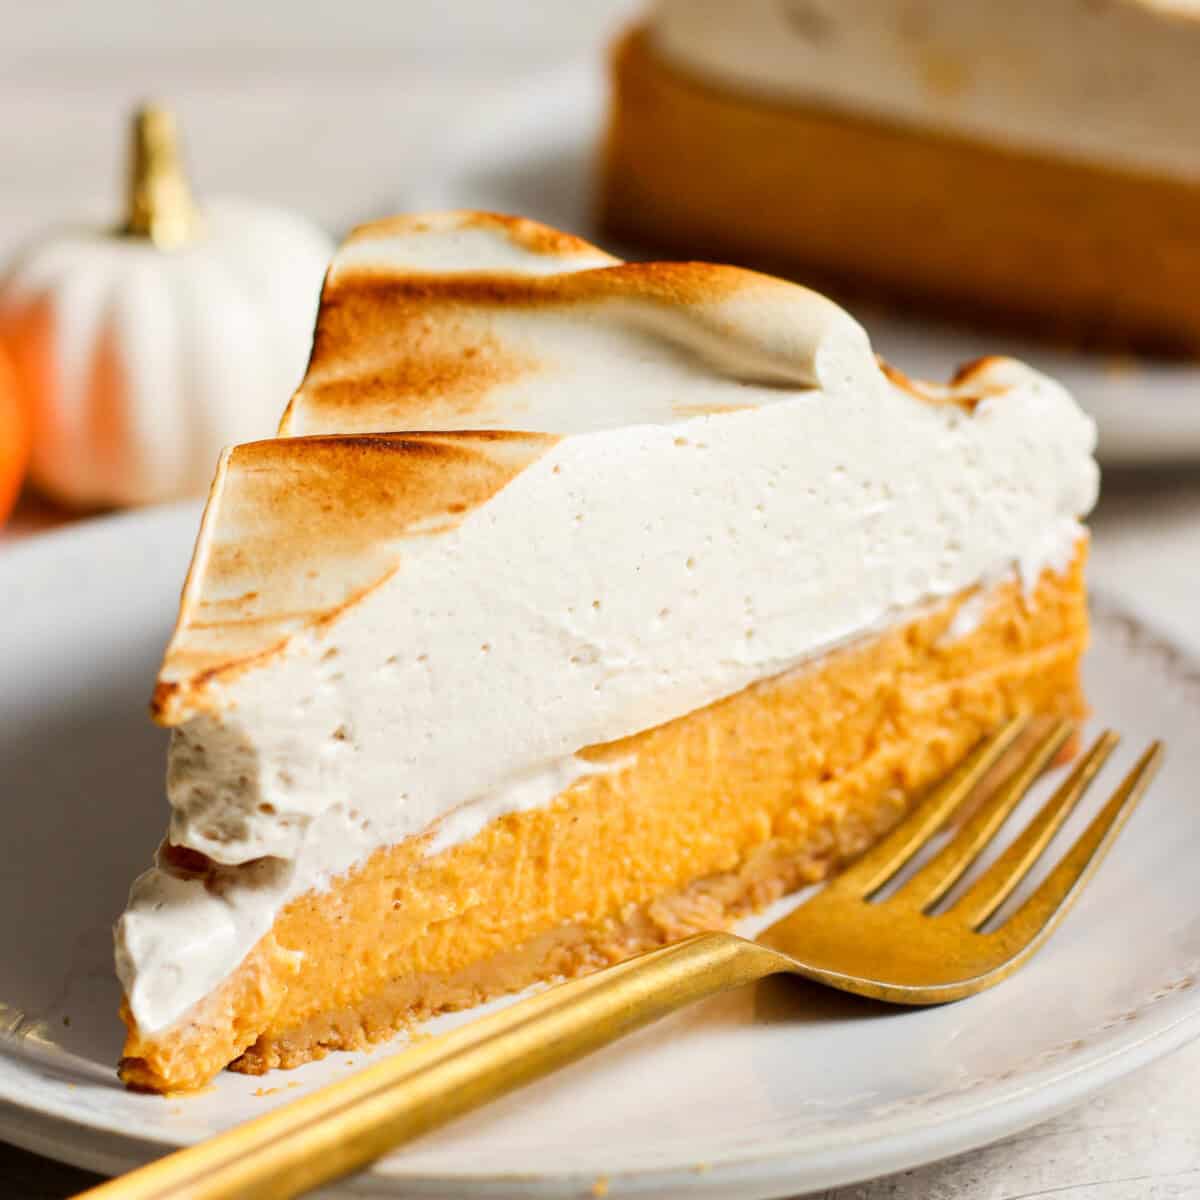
<point x="326" y="107"/>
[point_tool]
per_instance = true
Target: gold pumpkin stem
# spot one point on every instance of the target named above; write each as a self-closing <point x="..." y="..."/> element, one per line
<point x="160" y="201"/>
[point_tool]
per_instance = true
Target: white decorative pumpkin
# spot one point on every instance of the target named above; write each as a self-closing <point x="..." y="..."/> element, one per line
<point x="142" y="353"/>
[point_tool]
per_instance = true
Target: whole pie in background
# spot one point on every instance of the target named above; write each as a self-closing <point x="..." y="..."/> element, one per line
<point x="1034" y="163"/>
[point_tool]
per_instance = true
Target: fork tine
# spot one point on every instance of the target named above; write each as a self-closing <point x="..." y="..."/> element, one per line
<point x="939" y="875"/>
<point x="996" y="884"/>
<point x="1046" y="907"/>
<point x="884" y="859"/>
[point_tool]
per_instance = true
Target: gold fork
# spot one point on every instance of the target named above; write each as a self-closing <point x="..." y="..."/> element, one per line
<point x="891" y="949"/>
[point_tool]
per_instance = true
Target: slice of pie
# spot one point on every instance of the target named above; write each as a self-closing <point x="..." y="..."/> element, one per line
<point x="580" y="605"/>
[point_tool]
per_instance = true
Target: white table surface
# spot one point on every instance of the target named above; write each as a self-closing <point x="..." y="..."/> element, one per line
<point x="335" y="110"/>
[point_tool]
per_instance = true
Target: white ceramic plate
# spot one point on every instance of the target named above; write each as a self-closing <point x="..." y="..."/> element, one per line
<point x="765" y="1092"/>
<point x="533" y="152"/>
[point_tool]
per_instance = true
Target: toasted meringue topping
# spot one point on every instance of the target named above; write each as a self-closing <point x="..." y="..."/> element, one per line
<point x="459" y="322"/>
<point x="668" y="482"/>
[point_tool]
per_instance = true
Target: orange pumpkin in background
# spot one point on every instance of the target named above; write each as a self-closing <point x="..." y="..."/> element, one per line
<point x="14" y="438"/>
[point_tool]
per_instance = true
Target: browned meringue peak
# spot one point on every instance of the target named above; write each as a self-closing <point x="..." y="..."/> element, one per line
<point x="971" y="384"/>
<point x="299" y="529"/>
<point x="466" y="320"/>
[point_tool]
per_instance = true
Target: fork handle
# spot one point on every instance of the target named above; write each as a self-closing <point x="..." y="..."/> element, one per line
<point x="346" y="1125"/>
